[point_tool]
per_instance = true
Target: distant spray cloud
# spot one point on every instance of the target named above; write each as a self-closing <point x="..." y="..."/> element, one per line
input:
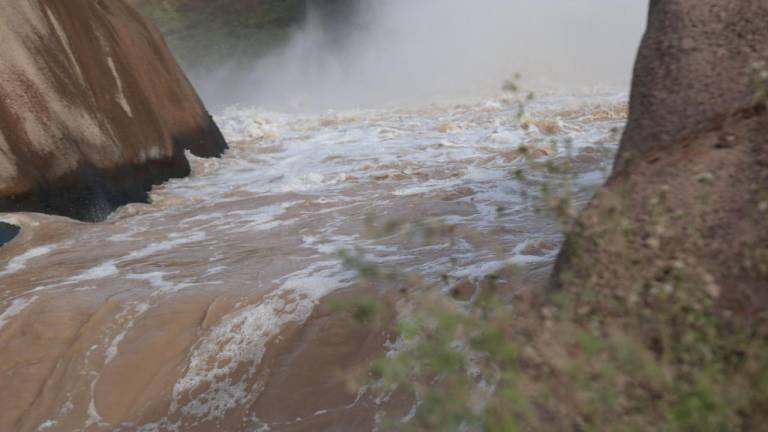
<point x="401" y="51"/>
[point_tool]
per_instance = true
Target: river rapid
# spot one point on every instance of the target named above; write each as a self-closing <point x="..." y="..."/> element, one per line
<point x="204" y="310"/>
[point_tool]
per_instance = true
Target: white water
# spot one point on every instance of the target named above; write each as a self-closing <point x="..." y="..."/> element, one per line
<point x="258" y="231"/>
<point x="163" y="317"/>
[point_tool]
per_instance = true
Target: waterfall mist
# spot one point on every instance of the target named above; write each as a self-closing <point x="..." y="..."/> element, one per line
<point x="402" y="51"/>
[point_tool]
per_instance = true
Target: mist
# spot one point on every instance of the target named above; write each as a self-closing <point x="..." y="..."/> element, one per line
<point x="406" y="51"/>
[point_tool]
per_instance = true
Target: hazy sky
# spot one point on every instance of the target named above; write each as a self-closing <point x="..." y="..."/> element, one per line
<point x="411" y="50"/>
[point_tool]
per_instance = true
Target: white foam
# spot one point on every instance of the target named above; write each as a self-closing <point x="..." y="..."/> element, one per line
<point x="302" y="183"/>
<point x="426" y="187"/>
<point x="109" y="268"/>
<point x="331" y="244"/>
<point x="94" y="418"/>
<point x="510" y="138"/>
<point x="14" y="309"/>
<point x="263" y="218"/>
<point x="167" y="245"/>
<point x="101" y="271"/>
<point x="19" y="262"/>
<point x="479" y="174"/>
<point x="520" y="258"/>
<point x="47" y="425"/>
<point x="214" y="270"/>
<point x="242" y="337"/>
<point x="128" y="235"/>
<point x="481" y="269"/>
<point x="157" y="281"/>
<point x="114" y="346"/>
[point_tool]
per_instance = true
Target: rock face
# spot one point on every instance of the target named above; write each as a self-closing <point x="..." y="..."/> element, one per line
<point x="93" y="108"/>
<point x="688" y="200"/>
<point x="694" y="65"/>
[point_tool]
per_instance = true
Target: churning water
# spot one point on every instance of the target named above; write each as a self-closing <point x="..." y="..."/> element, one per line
<point x="204" y="310"/>
<point x="201" y="311"/>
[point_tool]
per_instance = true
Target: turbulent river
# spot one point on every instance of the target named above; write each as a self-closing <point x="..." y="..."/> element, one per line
<point x="204" y="310"/>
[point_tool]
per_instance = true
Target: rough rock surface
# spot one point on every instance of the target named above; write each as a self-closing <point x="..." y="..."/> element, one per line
<point x="694" y="65"/>
<point x="688" y="200"/>
<point x="93" y="108"/>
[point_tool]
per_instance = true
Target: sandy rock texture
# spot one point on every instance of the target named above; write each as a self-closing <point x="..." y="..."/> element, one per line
<point x="94" y="109"/>
<point x="688" y="200"/>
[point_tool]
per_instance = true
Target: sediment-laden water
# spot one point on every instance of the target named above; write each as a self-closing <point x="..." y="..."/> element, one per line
<point x="202" y="310"/>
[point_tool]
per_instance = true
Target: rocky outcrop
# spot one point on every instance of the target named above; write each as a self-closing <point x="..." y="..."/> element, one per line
<point x="688" y="199"/>
<point x="93" y="108"/>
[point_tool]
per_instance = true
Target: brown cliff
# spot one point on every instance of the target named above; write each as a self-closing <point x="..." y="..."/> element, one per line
<point x="93" y="108"/>
<point x="688" y="199"/>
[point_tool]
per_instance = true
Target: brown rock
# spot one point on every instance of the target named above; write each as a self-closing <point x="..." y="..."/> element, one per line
<point x="695" y="64"/>
<point x="93" y="108"/>
<point x="692" y="171"/>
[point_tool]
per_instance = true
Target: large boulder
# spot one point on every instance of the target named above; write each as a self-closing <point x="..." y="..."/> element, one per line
<point x="688" y="199"/>
<point x="93" y="108"/>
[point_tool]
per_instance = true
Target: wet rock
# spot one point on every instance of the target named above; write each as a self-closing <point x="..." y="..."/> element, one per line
<point x="693" y="85"/>
<point x="93" y="108"/>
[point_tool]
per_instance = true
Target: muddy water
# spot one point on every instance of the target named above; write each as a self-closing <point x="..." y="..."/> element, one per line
<point x="203" y="310"/>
